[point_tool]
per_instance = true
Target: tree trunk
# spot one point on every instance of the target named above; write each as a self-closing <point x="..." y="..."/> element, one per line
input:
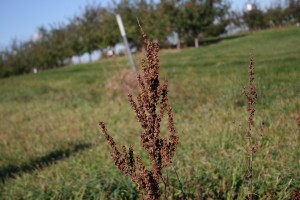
<point x="196" y="40"/>
<point x="90" y="57"/>
<point x="178" y="42"/>
<point x="178" y="45"/>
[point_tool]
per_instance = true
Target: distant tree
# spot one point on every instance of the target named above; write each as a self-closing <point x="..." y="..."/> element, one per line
<point x="2" y="69"/>
<point x="169" y="18"/>
<point x="127" y="9"/>
<point x="75" y="37"/>
<point x="275" y="14"/>
<point x="222" y="18"/>
<point x="255" y="18"/>
<point x="40" y="49"/>
<point x="293" y="11"/>
<point x="59" y="45"/>
<point x="202" y="16"/>
<point x="109" y="28"/>
<point x="90" y="24"/>
<point x="5" y="69"/>
<point x="15" y="60"/>
<point x="155" y="19"/>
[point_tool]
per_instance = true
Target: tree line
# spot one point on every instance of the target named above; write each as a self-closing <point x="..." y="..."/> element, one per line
<point x="96" y="28"/>
<point x="280" y="13"/>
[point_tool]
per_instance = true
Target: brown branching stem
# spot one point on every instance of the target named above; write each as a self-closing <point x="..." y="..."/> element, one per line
<point x="251" y="96"/>
<point x="150" y="106"/>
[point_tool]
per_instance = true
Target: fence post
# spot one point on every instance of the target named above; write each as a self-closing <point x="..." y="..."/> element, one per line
<point x="122" y="30"/>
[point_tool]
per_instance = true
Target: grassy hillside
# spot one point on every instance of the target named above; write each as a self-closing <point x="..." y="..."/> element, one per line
<point x="51" y="146"/>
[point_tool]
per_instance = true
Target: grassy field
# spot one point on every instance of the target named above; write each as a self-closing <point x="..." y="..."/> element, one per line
<point x="51" y="146"/>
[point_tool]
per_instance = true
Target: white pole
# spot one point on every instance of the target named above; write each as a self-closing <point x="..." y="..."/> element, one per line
<point x="122" y="30"/>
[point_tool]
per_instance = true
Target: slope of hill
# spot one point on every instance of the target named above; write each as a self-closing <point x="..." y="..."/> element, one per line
<point x="51" y="146"/>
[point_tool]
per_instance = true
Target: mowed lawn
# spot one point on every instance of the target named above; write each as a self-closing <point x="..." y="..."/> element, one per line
<point x="51" y="146"/>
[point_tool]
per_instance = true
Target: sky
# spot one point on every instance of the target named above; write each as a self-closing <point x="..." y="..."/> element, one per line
<point x="20" y="19"/>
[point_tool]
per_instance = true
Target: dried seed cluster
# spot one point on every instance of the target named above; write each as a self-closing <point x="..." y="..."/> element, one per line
<point x="251" y="96"/>
<point x="150" y="107"/>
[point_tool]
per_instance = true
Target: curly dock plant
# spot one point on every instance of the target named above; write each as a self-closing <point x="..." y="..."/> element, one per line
<point x="251" y="95"/>
<point x="150" y="106"/>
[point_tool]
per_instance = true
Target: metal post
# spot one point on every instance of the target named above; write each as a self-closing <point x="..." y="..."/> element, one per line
<point x="122" y="30"/>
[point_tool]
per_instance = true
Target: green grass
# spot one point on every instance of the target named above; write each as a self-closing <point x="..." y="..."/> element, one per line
<point x="51" y="146"/>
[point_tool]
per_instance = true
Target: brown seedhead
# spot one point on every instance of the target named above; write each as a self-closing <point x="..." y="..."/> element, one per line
<point x="150" y="107"/>
<point x="252" y="145"/>
<point x="295" y="195"/>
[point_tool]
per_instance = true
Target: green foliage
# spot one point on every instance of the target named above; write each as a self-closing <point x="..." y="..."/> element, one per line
<point x="203" y="17"/>
<point x="51" y="114"/>
<point x="255" y="19"/>
<point x="96" y="28"/>
<point x="293" y="11"/>
<point x="278" y="14"/>
<point x="90" y="25"/>
<point x="150" y="15"/>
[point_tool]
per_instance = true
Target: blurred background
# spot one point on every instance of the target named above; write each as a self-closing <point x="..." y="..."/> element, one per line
<point x="40" y="35"/>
